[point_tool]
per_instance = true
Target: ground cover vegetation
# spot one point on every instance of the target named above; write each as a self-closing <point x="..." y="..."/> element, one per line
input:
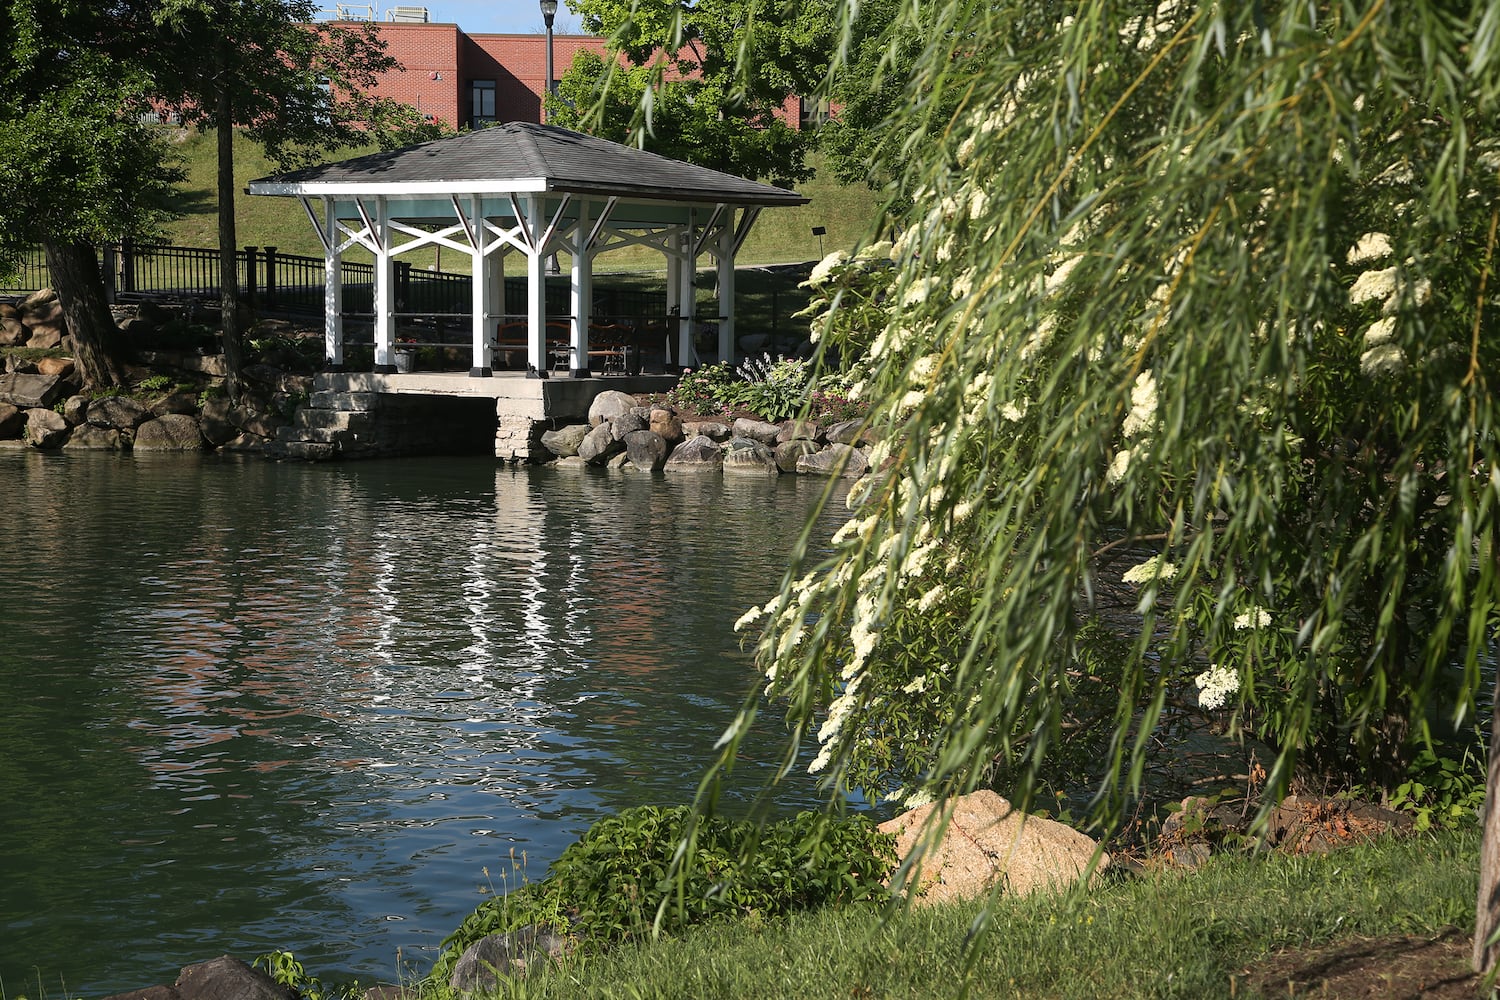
<point x="1242" y="925"/>
<point x="1191" y="427"/>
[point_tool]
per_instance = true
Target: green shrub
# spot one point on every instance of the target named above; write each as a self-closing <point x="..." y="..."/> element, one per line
<point x="155" y="383"/>
<point x="774" y="389"/>
<point x="610" y="885"/>
<point x="702" y="390"/>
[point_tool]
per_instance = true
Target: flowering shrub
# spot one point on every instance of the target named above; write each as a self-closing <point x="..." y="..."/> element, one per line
<point x="1270" y="378"/>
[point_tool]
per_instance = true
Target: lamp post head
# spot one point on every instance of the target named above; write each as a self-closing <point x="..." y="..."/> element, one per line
<point x="549" y="11"/>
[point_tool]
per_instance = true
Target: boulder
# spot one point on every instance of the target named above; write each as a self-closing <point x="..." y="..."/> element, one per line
<point x="600" y="445"/>
<point x="171" y="432"/>
<point x="61" y="367"/>
<point x="714" y="429"/>
<point x="120" y="412"/>
<point x="12" y="421"/>
<point x="88" y="437"/>
<point x="45" y="337"/>
<point x="175" y="402"/>
<point x="27" y="391"/>
<point x="667" y="424"/>
<point x="36" y="300"/>
<point x="794" y="430"/>
<point x="756" y="430"/>
<point x="214" y="421"/>
<point x="1314" y="824"/>
<point x="628" y="423"/>
<point x="835" y="460"/>
<point x="499" y="956"/>
<point x="564" y="441"/>
<point x="648" y="450"/>
<point x="696" y="453"/>
<point x="13" y="332"/>
<point x="75" y="409"/>
<point x="753" y="458"/>
<point x="45" y="428"/>
<point x="255" y="420"/>
<point x="43" y="314"/>
<point x="227" y="978"/>
<point x="136" y="326"/>
<point x="788" y="453"/>
<point x="608" y="405"/>
<point x="619" y="461"/>
<point x="988" y="842"/>
<point x="851" y="432"/>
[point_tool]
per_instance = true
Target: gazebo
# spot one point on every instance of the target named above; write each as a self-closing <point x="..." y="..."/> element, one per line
<point x="538" y="190"/>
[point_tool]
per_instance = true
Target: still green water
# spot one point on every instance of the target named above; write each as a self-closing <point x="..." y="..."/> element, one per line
<point x="250" y="705"/>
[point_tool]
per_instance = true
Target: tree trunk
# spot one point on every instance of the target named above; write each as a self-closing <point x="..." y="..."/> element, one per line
<point x="1487" y="910"/>
<point x="230" y="314"/>
<point x="80" y="292"/>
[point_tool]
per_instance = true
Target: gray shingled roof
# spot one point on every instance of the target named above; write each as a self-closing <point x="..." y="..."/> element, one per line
<point x="496" y="159"/>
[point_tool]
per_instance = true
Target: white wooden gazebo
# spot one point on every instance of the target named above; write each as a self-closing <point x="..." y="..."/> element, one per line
<point x="537" y="190"/>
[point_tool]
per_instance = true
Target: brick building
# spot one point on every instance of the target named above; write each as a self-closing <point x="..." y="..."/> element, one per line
<point x="462" y="79"/>
<point x="472" y="80"/>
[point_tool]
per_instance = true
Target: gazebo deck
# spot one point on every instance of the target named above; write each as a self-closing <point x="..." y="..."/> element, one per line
<point x="513" y="391"/>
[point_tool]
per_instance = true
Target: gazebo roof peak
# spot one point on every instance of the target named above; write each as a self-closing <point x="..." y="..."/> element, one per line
<point x="516" y="157"/>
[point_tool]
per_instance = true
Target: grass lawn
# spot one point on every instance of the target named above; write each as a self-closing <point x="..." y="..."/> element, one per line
<point x="766" y="297"/>
<point x="782" y="235"/>
<point x="1227" y="929"/>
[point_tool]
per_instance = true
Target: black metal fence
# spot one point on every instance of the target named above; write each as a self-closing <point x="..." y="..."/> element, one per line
<point x="279" y="283"/>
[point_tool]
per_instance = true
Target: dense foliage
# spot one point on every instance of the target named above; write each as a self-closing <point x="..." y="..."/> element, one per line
<point x="625" y="876"/>
<point x="1182" y="358"/>
<point x="706" y="83"/>
<point x="773" y="389"/>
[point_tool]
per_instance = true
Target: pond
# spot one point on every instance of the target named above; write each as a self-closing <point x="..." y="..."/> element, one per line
<point x="254" y="705"/>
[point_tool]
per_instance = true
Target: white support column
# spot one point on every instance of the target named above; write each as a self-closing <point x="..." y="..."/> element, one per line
<point x="483" y="323"/>
<point x="385" y="291"/>
<point x="674" y="304"/>
<point x="536" y="291"/>
<point x="687" y="298"/>
<point x="726" y="289"/>
<point x="583" y="294"/>
<point x="333" y="290"/>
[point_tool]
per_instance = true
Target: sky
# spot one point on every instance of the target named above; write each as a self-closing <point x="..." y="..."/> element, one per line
<point x="479" y="16"/>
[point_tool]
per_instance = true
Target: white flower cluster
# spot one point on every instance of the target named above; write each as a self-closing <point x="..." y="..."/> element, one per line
<point x="1253" y="618"/>
<point x="1215" y="685"/>
<point x="1153" y="569"/>
<point x="1142" y="406"/>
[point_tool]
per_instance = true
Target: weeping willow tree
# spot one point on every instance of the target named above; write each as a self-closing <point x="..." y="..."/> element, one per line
<point x="1180" y="371"/>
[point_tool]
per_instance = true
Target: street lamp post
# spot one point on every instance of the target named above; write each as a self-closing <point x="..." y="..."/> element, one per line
<point x="549" y="11"/>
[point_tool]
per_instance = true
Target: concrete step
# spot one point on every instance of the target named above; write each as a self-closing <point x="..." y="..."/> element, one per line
<point x="308" y="451"/>
<point x="334" y="419"/>
<point x="328" y="399"/>
<point x="314" y="435"/>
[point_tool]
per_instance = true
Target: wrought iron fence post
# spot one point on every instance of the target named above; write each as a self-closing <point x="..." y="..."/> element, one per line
<point x="403" y="283"/>
<point x="127" y="265"/>
<point x="107" y="271"/>
<point x="250" y="268"/>
<point x="270" y="284"/>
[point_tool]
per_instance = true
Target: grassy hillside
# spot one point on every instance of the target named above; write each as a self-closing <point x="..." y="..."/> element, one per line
<point x="781" y="236"/>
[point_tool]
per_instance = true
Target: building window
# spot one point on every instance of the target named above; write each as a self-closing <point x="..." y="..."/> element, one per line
<point x="482" y="102"/>
<point x="814" y="112"/>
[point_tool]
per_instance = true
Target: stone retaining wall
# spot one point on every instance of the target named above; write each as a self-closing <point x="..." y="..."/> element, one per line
<point x="623" y="432"/>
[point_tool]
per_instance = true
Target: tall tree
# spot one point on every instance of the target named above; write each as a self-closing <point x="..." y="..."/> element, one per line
<point x="1183" y="373"/>
<point x="296" y="88"/>
<point x="79" y="168"/>
<point x="703" y="82"/>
